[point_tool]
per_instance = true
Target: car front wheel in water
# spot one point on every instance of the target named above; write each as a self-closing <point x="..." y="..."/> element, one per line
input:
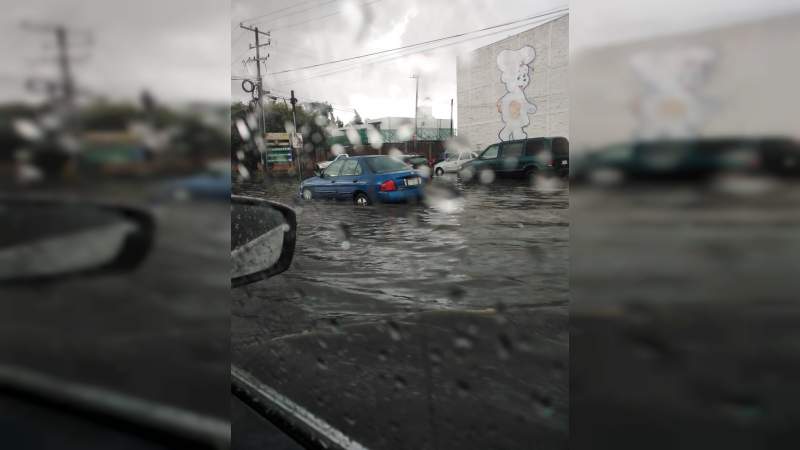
<point x="361" y="199"/>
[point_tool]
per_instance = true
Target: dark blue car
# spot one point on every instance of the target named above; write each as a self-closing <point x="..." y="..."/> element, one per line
<point x="365" y="180"/>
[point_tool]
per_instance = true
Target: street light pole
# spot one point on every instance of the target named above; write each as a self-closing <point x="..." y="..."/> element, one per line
<point x="416" y="111"/>
<point x="451" y="117"/>
<point x="294" y="140"/>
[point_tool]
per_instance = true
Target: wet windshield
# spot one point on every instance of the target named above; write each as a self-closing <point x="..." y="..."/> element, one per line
<point x="410" y="302"/>
<point x="385" y="164"/>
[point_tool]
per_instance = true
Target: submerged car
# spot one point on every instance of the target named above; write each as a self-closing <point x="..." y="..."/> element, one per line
<point x="453" y="163"/>
<point x="365" y="180"/>
<point x="522" y="158"/>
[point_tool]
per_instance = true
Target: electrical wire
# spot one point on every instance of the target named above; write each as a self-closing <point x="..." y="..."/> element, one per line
<point x="278" y="17"/>
<point x="351" y="58"/>
<point x="400" y="55"/>
<point x="292" y="25"/>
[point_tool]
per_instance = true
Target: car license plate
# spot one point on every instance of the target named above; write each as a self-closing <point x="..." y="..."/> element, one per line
<point x="412" y="181"/>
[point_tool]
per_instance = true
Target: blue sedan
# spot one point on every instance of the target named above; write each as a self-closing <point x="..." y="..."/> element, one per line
<point x="365" y="180"/>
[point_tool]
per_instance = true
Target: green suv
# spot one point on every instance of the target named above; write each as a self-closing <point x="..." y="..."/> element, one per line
<point x="522" y="158"/>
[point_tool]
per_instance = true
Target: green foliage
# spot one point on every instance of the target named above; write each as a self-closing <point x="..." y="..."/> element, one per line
<point x="356" y="119"/>
<point x="109" y="116"/>
<point x="311" y="123"/>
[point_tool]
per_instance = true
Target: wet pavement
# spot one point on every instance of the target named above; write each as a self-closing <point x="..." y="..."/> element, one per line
<point x="396" y="323"/>
<point x="160" y="333"/>
<point x="683" y="317"/>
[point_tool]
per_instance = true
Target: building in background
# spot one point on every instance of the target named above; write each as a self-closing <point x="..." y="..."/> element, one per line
<point x="397" y="133"/>
<point x="516" y="87"/>
<point x="720" y="82"/>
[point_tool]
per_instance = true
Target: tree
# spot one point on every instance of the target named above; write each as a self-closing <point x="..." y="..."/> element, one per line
<point x="356" y="119"/>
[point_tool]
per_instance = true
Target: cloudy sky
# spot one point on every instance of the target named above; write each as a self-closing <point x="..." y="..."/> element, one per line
<point x="319" y="31"/>
<point x="179" y="49"/>
<point x="187" y="50"/>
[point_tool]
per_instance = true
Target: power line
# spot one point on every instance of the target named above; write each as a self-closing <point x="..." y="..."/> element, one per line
<point x="276" y="18"/>
<point x="420" y="43"/>
<point x="402" y="55"/>
<point x="336" y="13"/>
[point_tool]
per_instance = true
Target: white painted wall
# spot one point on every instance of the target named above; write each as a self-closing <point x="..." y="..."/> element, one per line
<point x="480" y="86"/>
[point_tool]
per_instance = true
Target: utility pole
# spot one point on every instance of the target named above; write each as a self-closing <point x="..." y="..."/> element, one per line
<point x="416" y="110"/>
<point x="61" y="93"/>
<point x="64" y="91"/>
<point x="259" y="82"/>
<point x="293" y="100"/>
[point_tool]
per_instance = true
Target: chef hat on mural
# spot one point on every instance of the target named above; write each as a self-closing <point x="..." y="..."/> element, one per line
<point x="509" y="61"/>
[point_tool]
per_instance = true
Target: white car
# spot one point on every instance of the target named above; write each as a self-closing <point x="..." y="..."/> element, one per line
<point x="324" y="164"/>
<point x="453" y="163"/>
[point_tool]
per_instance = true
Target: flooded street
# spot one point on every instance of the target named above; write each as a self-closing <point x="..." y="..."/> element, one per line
<point x="478" y="246"/>
<point x="421" y="311"/>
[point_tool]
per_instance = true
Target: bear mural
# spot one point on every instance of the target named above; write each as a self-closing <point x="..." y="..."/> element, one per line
<point x="672" y="104"/>
<point x="514" y="107"/>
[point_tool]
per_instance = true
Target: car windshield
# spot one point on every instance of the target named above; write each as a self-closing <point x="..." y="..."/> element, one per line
<point x="385" y="164"/>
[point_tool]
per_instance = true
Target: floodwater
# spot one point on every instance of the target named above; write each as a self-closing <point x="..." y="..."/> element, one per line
<point x="394" y="322"/>
<point x="466" y="247"/>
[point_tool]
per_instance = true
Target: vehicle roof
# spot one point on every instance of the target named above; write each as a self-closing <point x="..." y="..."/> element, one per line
<point x="369" y="156"/>
<point x="538" y="138"/>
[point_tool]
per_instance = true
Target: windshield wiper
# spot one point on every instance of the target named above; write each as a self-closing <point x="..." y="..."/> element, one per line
<point x="153" y="420"/>
<point x="309" y="430"/>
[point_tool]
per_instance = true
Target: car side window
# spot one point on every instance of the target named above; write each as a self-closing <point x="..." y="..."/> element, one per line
<point x="512" y="150"/>
<point x="490" y="153"/>
<point x="335" y="167"/>
<point x="349" y="168"/>
<point x="358" y="170"/>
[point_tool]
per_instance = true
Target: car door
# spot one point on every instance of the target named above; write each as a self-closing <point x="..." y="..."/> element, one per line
<point x="461" y="159"/>
<point x="488" y="159"/>
<point x="327" y="185"/>
<point x="451" y="164"/>
<point x="348" y="179"/>
<point x="510" y="161"/>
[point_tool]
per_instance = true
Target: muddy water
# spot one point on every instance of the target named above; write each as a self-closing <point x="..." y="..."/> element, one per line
<point x="466" y="247"/>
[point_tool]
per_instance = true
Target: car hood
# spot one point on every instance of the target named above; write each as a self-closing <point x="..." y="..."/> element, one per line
<point x="311" y="180"/>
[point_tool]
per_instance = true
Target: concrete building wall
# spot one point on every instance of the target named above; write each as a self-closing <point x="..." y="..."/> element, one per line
<point x="491" y="104"/>
<point x="728" y="81"/>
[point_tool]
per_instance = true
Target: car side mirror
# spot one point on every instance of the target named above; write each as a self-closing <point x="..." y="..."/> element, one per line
<point x="46" y="238"/>
<point x="263" y="235"/>
<point x="318" y="173"/>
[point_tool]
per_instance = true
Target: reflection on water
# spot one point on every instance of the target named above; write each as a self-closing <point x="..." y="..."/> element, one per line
<point x="470" y="247"/>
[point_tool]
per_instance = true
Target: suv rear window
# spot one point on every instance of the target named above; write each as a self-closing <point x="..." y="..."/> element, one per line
<point x="560" y="148"/>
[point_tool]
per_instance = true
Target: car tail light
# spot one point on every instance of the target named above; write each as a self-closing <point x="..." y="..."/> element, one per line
<point x="387" y="186"/>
